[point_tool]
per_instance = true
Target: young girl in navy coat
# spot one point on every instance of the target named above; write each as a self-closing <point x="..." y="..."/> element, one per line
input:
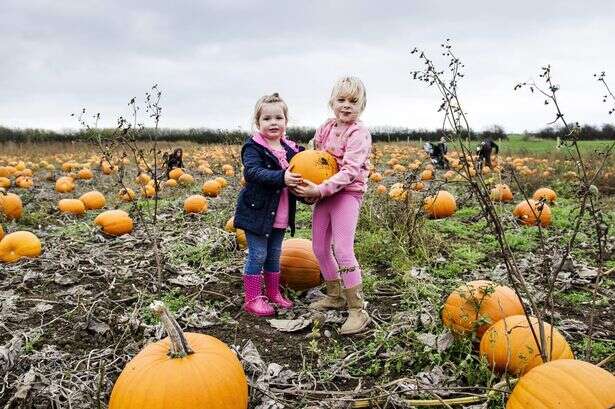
<point x="265" y="207"/>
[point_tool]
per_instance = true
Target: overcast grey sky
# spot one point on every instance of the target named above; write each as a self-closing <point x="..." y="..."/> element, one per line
<point x="213" y="59"/>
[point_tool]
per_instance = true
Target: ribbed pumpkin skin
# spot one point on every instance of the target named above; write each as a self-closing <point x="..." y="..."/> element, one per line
<point x="114" y="222"/>
<point x="195" y="204"/>
<point x="514" y="334"/>
<point x="72" y="206"/>
<point x="315" y="166"/>
<point x="11" y="205"/>
<point x="93" y="200"/>
<point x="442" y="204"/>
<point x="564" y="384"/>
<point x="459" y="312"/>
<point x="211" y="378"/>
<point x="524" y="213"/>
<point x="298" y="265"/>
<point x="501" y="193"/>
<point x="19" y="244"/>
<point x="546" y="194"/>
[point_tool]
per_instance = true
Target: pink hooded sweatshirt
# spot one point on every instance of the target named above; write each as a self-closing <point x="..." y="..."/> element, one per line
<point x="281" y="215"/>
<point x="351" y="149"/>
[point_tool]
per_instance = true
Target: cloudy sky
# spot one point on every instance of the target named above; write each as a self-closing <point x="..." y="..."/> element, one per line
<point x="213" y="59"/>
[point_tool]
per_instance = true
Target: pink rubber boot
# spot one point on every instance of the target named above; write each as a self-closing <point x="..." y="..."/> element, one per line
<point x="272" y="290"/>
<point x="255" y="302"/>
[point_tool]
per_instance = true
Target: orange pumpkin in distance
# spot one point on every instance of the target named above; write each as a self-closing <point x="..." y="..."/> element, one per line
<point x="298" y="265"/>
<point x="501" y="193"/>
<point x="509" y="345"/>
<point x="441" y="205"/>
<point x="211" y="188"/>
<point x="71" y="206"/>
<point x="11" y="205"/>
<point x="313" y="165"/>
<point x="114" y="222"/>
<point x="93" y="200"/>
<point x="544" y="193"/>
<point x="479" y="304"/>
<point x="195" y="204"/>
<point x="532" y="213"/>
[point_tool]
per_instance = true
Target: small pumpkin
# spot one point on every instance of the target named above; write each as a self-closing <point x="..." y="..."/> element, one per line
<point x="171" y="183"/>
<point x="477" y="305"/>
<point x="127" y="194"/>
<point x="532" y="213"/>
<point x="200" y="371"/>
<point x="72" y="206"/>
<point x="398" y="193"/>
<point x="441" y="205"/>
<point x="85" y="174"/>
<point x="382" y="189"/>
<point x="24" y="182"/>
<point x="65" y="184"/>
<point x="501" y="193"/>
<point x="175" y="173"/>
<point x="376" y="177"/>
<point x="240" y="235"/>
<point x="427" y="174"/>
<point x="544" y="193"/>
<point x="186" y="179"/>
<point x="222" y="182"/>
<point x="509" y="346"/>
<point x="314" y="165"/>
<point x="195" y="204"/>
<point x="564" y="383"/>
<point x="298" y="265"/>
<point x="19" y="244"/>
<point x="11" y="205"/>
<point x="5" y="182"/>
<point x="93" y="200"/>
<point x="114" y="222"/>
<point x="143" y="179"/>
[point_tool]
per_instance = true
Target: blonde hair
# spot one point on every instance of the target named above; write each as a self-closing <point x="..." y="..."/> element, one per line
<point x="269" y="99"/>
<point x="349" y="87"/>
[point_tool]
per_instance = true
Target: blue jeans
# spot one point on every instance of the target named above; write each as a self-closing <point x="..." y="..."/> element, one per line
<point x="264" y="252"/>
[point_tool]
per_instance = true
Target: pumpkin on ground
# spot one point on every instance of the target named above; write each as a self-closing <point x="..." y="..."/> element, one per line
<point x="114" y="222"/>
<point x="509" y="346"/>
<point x="65" y="184"/>
<point x="184" y="370"/>
<point x="185" y="179"/>
<point x="532" y="212"/>
<point x="564" y="383"/>
<point x="24" y="182"/>
<point x="85" y="174"/>
<point x="195" y="204"/>
<point x="11" y="205"/>
<point x="427" y="174"/>
<point x="398" y="193"/>
<point x="143" y="179"/>
<point x="221" y="181"/>
<point x="441" y="205"/>
<point x="478" y="305"/>
<point x="1" y="232"/>
<point x="544" y="193"/>
<point x="298" y="265"/>
<point x="72" y="206"/>
<point x="501" y="193"/>
<point x="127" y="194"/>
<point x="5" y="183"/>
<point x="313" y="165"/>
<point x="376" y="177"/>
<point x="19" y="244"/>
<point x="211" y="188"/>
<point x="240" y="235"/>
<point x="175" y="173"/>
<point x="93" y="200"/>
<point x="171" y="183"/>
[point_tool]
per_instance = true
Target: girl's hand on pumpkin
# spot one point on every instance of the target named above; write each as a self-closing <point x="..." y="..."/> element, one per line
<point x="292" y="179"/>
<point x="308" y="190"/>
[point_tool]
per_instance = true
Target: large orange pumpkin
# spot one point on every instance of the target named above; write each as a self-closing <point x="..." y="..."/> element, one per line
<point x="532" y="212"/>
<point x="72" y="206"/>
<point x="509" y="345"/>
<point x="5" y="183"/>
<point x="11" y="205"/>
<point x="298" y="265"/>
<point x="564" y="383"/>
<point x="176" y="173"/>
<point x="313" y="165"/>
<point x="65" y="184"/>
<point x="114" y="222"/>
<point x="19" y="244"/>
<point x="441" y="205"/>
<point x="186" y="179"/>
<point x="93" y="200"/>
<point x="479" y="304"/>
<point x="195" y="204"/>
<point x="184" y="370"/>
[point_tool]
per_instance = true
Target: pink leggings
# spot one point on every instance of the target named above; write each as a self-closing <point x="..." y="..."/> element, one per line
<point x="335" y="222"/>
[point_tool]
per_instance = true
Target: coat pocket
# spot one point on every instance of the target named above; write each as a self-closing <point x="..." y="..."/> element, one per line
<point x="253" y="200"/>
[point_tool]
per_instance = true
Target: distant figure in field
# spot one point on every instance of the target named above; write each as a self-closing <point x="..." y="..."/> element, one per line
<point x="484" y="151"/>
<point x="174" y="160"/>
<point x="436" y="152"/>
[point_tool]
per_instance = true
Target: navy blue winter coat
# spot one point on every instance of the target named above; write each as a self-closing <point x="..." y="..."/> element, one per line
<point x="258" y="200"/>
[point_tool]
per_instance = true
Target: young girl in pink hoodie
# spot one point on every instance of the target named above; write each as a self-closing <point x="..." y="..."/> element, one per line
<point x="338" y="200"/>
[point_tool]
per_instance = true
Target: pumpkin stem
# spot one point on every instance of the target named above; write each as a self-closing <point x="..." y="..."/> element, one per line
<point x="179" y="344"/>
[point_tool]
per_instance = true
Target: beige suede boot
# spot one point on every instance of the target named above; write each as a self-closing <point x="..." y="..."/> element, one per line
<point x="358" y="319"/>
<point x="334" y="300"/>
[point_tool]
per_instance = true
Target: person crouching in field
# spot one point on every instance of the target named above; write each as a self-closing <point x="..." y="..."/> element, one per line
<point x="338" y="200"/>
<point x="265" y="208"/>
<point x="484" y="151"/>
<point x="174" y="160"/>
<point x="436" y="153"/>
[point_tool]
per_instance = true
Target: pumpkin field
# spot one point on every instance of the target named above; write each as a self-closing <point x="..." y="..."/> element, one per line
<point x="95" y="258"/>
